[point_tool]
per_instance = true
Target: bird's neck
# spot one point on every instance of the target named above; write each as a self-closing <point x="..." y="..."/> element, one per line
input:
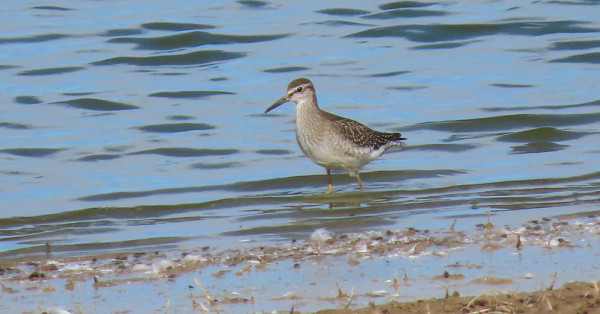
<point x="307" y="106"/>
<point x="308" y="116"/>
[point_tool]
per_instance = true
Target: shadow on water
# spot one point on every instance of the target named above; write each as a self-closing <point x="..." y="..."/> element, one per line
<point x="96" y="104"/>
<point x="595" y="103"/>
<point x="285" y="184"/>
<point x="191" y="39"/>
<point x="452" y="32"/>
<point x="204" y="57"/>
<point x="507" y="122"/>
<point x="278" y="215"/>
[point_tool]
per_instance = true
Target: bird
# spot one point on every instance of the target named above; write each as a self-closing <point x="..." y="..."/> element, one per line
<point x="332" y="141"/>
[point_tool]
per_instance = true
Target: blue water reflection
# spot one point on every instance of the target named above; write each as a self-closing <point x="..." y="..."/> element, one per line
<point x="141" y="123"/>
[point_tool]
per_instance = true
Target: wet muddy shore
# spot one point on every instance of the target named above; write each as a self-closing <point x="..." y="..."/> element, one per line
<point x="522" y="268"/>
<point x="576" y="297"/>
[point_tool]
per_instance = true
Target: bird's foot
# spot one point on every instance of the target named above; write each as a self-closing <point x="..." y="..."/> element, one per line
<point x="329" y="190"/>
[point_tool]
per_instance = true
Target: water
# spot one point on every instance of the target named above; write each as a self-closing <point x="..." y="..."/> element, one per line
<point x="139" y="126"/>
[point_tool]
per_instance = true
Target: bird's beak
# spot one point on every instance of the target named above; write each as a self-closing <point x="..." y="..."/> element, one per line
<point x="278" y="103"/>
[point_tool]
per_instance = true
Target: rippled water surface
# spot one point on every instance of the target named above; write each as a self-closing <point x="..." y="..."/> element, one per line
<point x="139" y="125"/>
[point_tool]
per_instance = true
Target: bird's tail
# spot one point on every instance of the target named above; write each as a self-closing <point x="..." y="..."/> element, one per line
<point x="396" y="137"/>
<point x="394" y="140"/>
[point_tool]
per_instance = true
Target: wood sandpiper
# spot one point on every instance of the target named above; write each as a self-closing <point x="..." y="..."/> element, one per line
<point x="332" y="141"/>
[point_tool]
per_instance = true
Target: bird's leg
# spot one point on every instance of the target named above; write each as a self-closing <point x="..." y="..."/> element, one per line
<point x="362" y="189"/>
<point x="330" y="186"/>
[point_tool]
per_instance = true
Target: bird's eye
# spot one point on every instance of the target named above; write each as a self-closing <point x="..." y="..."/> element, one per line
<point x="299" y="89"/>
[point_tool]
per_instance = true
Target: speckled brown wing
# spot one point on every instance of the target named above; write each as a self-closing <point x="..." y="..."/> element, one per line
<point x="362" y="135"/>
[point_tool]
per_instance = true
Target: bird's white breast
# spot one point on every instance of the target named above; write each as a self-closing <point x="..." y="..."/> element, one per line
<point x="324" y="146"/>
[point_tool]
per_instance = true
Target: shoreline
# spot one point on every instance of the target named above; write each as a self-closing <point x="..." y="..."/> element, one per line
<point x="575" y="297"/>
<point x="392" y="270"/>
